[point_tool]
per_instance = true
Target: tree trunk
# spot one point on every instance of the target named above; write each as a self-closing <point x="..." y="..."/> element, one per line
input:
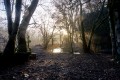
<point x="117" y="26"/>
<point x="10" y="47"/>
<point x="114" y="13"/>
<point x="85" y="49"/>
<point x="22" y="46"/>
<point x="12" y="27"/>
<point x="112" y="26"/>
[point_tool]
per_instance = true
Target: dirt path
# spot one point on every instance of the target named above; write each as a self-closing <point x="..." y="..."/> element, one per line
<point x="64" y="67"/>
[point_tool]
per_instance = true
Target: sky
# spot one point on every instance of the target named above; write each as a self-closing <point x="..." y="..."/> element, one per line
<point x="42" y="12"/>
<point x="44" y="9"/>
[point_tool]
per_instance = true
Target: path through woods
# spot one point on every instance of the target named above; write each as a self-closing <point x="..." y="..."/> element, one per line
<point x="64" y="67"/>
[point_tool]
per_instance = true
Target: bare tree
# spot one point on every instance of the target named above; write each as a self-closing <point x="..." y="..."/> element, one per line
<point x="72" y="13"/>
<point x="47" y="35"/>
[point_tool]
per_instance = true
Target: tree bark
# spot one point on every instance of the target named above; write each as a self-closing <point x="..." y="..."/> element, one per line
<point x="22" y="46"/>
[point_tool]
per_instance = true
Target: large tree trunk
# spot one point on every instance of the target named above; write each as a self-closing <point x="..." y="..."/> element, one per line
<point x="117" y="25"/>
<point x="12" y="27"/>
<point x="112" y="24"/>
<point x="22" y="47"/>
<point x="114" y="14"/>
<point x="84" y="44"/>
<point x="10" y="47"/>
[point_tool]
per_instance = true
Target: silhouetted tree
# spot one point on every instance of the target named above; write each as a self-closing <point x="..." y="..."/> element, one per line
<point x="15" y="28"/>
<point x="114" y="13"/>
<point x="12" y="26"/>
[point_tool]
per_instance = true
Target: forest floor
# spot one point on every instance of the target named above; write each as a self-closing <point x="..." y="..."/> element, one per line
<point x="64" y="67"/>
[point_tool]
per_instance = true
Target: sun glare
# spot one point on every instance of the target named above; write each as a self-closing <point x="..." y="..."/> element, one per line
<point x="76" y="53"/>
<point x="57" y="50"/>
<point x="64" y="32"/>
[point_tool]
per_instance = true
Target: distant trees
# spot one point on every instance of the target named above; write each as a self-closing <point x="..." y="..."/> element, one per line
<point x="73" y="15"/>
<point x="68" y="19"/>
<point x="3" y="39"/>
<point x="98" y="21"/>
<point x="47" y="34"/>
